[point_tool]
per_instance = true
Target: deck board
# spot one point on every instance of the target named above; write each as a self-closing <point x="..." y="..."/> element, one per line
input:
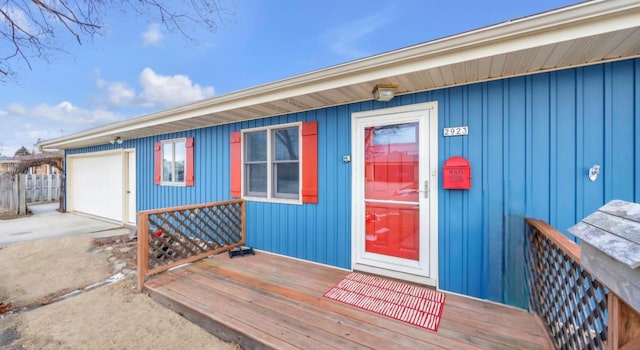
<point x="270" y="301"/>
<point x="312" y="321"/>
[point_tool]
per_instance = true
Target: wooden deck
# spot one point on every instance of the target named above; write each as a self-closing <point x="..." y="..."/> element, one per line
<point x="269" y="301"/>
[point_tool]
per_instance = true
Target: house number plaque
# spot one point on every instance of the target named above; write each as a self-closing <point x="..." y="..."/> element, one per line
<point x="456" y="131"/>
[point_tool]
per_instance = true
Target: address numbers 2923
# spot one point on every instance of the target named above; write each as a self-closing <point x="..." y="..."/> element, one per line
<point x="456" y="131"/>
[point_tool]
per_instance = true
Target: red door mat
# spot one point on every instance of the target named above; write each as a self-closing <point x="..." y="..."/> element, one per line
<point x="416" y="305"/>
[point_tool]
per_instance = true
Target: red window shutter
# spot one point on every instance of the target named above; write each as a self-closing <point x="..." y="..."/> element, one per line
<point x="157" y="163"/>
<point x="236" y="164"/>
<point x="189" y="170"/>
<point x="310" y="162"/>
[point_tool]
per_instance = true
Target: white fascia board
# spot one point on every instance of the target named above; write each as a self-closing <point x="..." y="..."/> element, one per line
<point x="568" y="23"/>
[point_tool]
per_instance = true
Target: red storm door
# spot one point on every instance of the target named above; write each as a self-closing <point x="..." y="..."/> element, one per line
<point x="391" y="191"/>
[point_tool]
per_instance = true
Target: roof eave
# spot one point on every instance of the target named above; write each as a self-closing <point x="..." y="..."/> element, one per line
<point x="580" y="20"/>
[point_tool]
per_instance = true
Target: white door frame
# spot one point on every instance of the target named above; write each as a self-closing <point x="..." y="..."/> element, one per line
<point x="424" y="271"/>
<point x="129" y="171"/>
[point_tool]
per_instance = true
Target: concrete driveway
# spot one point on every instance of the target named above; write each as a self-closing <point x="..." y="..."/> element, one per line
<point x="46" y="222"/>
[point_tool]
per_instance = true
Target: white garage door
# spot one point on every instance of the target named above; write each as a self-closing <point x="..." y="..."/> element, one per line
<point x="95" y="185"/>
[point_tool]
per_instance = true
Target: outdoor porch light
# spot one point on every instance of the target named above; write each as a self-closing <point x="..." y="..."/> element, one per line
<point x="384" y="92"/>
<point x="117" y="140"/>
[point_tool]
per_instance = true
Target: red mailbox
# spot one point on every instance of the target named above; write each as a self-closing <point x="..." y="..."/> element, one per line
<point x="456" y="174"/>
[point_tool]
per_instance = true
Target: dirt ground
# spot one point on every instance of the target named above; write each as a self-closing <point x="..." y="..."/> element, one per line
<point x="40" y="270"/>
<point x="7" y="215"/>
<point x="114" y="316"/>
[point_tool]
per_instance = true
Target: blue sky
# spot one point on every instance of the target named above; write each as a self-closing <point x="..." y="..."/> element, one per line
<point x="137" y="67"/>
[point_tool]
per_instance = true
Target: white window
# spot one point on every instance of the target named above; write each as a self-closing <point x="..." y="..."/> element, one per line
<point x="271" y="162"/>
<point x="173" y="161"/>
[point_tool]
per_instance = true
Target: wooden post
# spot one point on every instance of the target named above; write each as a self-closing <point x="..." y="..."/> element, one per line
<point x="42" y="197"/>
<point x="49" y="187"/>
<point x="143" y="249"/>
<point x="15" y="195"/>
<point x="39" y="191"/>
<point x="5" y="191"/>
<point x="61" y="192"/>
<point x="612" y="309"/>
<point x="30" y="184"/>
<point x="624" y="325"/>
<point x="56" y="187"/>
<point x="29" y="188"/>
<point x="22" y="194"/>
<point x="244" y="226"/>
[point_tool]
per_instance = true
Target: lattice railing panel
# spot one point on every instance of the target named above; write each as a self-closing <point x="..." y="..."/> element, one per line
<point x="183" y="234"/>
<point x="179" y="234"/>
<point x="570" y="301"/>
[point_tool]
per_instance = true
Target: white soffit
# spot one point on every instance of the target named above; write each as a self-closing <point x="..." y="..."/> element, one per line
<point x="586" y="33"/>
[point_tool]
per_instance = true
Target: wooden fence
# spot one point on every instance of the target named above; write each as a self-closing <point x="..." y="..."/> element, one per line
<point x="171" y="237"/>
<point x="12" y="194"/>
<point x="16" y="191"/>
<point x="42" y="188"/>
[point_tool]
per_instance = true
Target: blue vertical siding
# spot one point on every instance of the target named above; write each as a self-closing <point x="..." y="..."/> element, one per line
<point x="621" y="132"/>
<point x="636" y="146"/>
<point x="532" y="140"/>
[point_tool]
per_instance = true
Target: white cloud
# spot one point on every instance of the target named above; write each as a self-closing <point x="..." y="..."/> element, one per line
<point x="168" y="91"/>
<point x="152" y="36"/>
<point x="64" y="114"/>
<point x="157" y="91"/>
<point x="23" y="125"/>
<point x="44" y="121"/>
<point x="345" y="40"/>
<point x="120" y="94"/>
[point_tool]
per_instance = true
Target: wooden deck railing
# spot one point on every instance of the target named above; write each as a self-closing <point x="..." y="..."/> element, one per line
<point x="571" y="302"/>
<point x="171" y="237"/>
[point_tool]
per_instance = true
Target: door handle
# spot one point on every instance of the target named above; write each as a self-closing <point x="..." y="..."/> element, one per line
<point x="426" y="189"/>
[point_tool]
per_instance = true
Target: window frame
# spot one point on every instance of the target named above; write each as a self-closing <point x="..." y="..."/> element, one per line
<point x="173" y="162"/>
<point x="270" y="164"/>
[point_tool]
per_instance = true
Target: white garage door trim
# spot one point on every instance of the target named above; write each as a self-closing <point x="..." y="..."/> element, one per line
<point x="96" y="184"/>
<point x="130" y="213"/>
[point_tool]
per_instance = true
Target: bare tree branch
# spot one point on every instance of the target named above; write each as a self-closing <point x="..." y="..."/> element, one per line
<point x="30" y="29"/>
<point x="67" y="19"/>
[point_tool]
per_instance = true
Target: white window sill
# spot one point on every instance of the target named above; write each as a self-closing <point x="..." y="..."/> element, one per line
<point x="173" y="184"/>
<point x="273" y="200"/>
